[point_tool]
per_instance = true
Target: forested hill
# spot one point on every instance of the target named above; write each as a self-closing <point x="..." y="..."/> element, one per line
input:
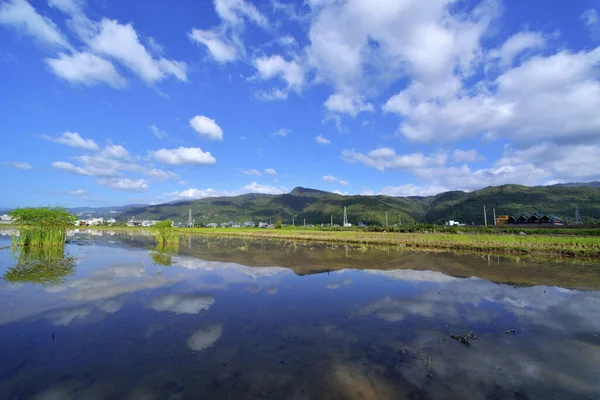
<point x="318" y="206"/>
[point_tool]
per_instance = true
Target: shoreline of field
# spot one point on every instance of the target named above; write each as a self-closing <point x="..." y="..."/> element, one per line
<point x="538" y="245"/>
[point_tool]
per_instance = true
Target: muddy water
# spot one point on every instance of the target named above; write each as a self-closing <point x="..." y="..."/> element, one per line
<point x="235" y="319"/>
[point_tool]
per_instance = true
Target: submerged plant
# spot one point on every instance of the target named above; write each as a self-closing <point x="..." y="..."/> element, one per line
<point x="42" y="226"/>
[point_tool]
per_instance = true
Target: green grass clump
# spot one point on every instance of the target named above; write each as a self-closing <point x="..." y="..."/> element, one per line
<point x="42" y="226"/>
<point x="165" y="234"/>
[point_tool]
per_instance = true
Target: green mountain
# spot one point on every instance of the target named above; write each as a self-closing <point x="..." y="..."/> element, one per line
<point x="317" y="206"/>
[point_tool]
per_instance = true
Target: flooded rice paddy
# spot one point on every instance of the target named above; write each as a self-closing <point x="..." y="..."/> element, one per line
<point x="113" y="317"/>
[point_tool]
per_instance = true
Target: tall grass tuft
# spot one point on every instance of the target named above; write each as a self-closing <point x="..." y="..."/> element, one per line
<point x="43" y="226"/>
<point x="165" y="234"/>
<point x="41" y="265"/>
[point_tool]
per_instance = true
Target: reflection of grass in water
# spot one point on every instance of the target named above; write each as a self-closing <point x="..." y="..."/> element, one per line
<point x="41" y="265"/>
<point x="163" y="253"/>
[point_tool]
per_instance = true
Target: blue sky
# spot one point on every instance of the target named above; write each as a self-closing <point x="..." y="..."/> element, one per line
<point x="115" y="102"/>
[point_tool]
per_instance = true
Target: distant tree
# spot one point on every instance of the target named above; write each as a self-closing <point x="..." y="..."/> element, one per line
<point x="278" y="224"/>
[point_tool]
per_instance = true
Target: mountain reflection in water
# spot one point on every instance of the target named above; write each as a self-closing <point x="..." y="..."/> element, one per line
<point x="240" y="319"/>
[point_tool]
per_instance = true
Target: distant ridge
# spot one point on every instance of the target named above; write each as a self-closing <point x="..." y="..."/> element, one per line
<point x="318" y="206"/>
<point x="594" y="184"/>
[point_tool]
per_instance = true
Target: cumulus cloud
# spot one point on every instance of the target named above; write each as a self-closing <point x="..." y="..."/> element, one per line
<point x="352" y="105"/>
<point x="121" y="42"/>
<point x="217" y="45"/>
<point x="206" y="127"/>
<point x="386" y="158"/>
<point x="68" y="167"/>
<point x="252" y="172"/>
<point x="183" y="155"/>
<point x="205" y="337"/>
<point x="86" y="69"/>
<point x="323" y="141"/>
<point x="291" y="72"/>
<point x="126" y="184"/>
<point x="270" y="171"/>
<point x="193" y="193"/>
<point x="409" y="189"/>
<point x="517" y="44"/>
<point x="115" y="151"/>
<point x="22" y="16"/>
<point x="17" y="164"/>
<point x="333" y="179"/>
<point x="73" y="139"/>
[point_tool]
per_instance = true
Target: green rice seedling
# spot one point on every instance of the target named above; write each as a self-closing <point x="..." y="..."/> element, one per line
<point x="41" y="265"/>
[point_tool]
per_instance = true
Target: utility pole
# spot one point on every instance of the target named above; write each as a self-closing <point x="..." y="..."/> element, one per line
<point x="190" y="221"/>
<point x="305" y="222"/>
<point x="494" y="216"/>
<point x="331" y="221"/>
<point x="386" y="222"/>
<point x="345" y="217"/>
<point x="399" y="219"/>
<point x="293" y="224"/>
<point x="577" y="216"/>
<point x="484" y="216"/>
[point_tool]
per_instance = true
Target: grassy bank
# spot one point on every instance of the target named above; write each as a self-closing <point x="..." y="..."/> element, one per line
<point x="561" y="244"/>
<point x="571" y="246"/>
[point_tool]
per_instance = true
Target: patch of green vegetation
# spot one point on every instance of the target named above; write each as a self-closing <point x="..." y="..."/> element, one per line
<point x="163" y="253"/>
<point x="41" y="265"/>
<point x="43" y="226"/>
<point x="165" y="234"/>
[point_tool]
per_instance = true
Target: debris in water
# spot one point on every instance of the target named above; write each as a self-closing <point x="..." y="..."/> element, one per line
<point x="464" y="339"/>
<point x="53" y="335"/>
<point x="510" y="332"/>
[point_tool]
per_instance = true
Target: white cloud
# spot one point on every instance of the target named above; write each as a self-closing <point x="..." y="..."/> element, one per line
<point x="591" y="19"/>
<point x="323" y="141"/>
<point x="281" y="133"/>
<point x="460" y="156"/>
<point x="234" y="11"/>
<point x="275" y="94"/>
<point x="17" y="164"/>
<point x="517" y="44"/>
<point x="160" y="175"/>
<point x="126" y="184"/>
<point x="193" y="193"/>
<point x="206" y="127"/>
<point x="73" y="139"/>
<point x="217" y="45"/>
<point x="343" y="104"/>
<point x="115" y="151"/>
<point x="183" y="155"/>
<point x="85" y="69"/>
<point x="122" y="43"/>
<point x="413" y="190"/>
<point x="291" y="72"/>
<point x="333" y="179"/>
<point x="270" y="171"/>
<point x="157" y="132"/>
<point x="287" y="41"/>
<point x="253" y="172"/>
<point x="22" y="16"/>
<point x="78" y="192"/>
<point x="68" y="167"/>
<point x="386" y="158"/>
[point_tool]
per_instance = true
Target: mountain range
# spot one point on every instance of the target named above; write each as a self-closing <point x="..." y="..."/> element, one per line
<point x="318" y="206"/>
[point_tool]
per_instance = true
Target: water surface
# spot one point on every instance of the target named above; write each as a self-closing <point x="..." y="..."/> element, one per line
<point x="234" y="319"/>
